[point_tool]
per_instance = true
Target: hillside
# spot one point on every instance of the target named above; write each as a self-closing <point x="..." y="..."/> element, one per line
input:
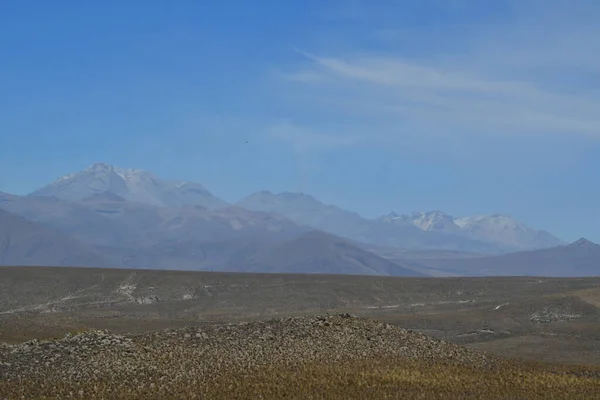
<point x="581" y="258"/>
<point x="23" y="242"/>
<point x="319" y="253"/>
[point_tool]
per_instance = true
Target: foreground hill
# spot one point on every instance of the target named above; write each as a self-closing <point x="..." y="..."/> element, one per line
<point x="332" y="357"/>
<point x="23" y="242"/>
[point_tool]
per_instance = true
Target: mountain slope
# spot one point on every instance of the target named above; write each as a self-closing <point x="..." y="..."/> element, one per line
<point x="23" y="242"/>
<point x="308" y="211"/>
<point x="305" y="210"/>
<point x="131" y="184"/>
<point x="506" y="231"/>
<point x="78" y="221"/>
<point x="319" y="252"/>
<point x="581" y="258"/>
<point x="498" y="230"/>
<point x="108" y="220"/>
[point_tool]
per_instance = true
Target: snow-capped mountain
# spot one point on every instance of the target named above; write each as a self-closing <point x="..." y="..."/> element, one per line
<point x="495" y="229"/>
<point x="131" y="184"/>
<point x="129" y="189"/>
<point x="506" y="230"/>
<point x="305" y="210"/>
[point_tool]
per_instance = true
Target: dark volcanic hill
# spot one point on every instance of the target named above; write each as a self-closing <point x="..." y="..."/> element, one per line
<point x="23" y="242"/>
<point x="581" y="258"/>
<point x="319" y="252"/>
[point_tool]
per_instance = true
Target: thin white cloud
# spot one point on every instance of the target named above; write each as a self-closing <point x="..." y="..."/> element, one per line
<point x="426" y="93"/>
<point x="538" y="75"/>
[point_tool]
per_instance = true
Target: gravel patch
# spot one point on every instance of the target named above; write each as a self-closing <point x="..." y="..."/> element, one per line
<point x="99" y="364"/>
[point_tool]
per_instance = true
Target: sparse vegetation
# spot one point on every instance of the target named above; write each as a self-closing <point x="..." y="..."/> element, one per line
<point x="202" y="355"/>
<point x="323" y="357"/>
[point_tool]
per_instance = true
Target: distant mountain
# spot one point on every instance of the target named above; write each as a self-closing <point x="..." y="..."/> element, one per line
<point x="130" y="184"/>
<point x="210" y="255"/>
<point x="23" y="242"/>
<point x="79" y="221"/>
<point x="139" y="220"/>
<point x="308" y="211"/>
<point x="507" y="232"/>
<point x="305" y="210"/>
<point x="319" y="253"/>
<point x="581" y="258"/>
<point x="433" y="221"/>
<point x="106" y="220"/>
<point x="499" y="230"/>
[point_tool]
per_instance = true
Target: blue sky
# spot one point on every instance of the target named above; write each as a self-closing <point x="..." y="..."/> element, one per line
<point x="465" y="106"/>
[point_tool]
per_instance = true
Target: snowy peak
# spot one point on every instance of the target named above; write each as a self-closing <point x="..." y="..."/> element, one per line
<point x="426" y="221"/>
<point x="434" y="221"/>
<point x="132" y="185"/>
<point x="495" y="229"/>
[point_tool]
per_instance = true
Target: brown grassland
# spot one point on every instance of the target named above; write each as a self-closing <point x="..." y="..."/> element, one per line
<point x="365" y="379"/>
<point x="160" y="335"/>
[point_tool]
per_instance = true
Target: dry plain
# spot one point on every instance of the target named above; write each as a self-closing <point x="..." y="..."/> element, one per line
<point x="405" y="338"/>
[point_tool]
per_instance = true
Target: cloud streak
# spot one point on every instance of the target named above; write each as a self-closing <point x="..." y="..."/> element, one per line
<point x="527" y="77"/>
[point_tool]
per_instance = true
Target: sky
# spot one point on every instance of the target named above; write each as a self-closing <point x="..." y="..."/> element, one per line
<point x="465" y="106"/>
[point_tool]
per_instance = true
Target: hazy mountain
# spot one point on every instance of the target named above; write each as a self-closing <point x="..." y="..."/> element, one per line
<point x="139" y="220"/>
<point x="212" y="255"/>
<point x="581" y="258"/>
<point x="308" y="211"/>
<point x="319" y="252"/>
<point x="499" y="230"/>
<point x="507" y="232"/>
<point x="130" y="184"/>
<point x="24" y="242"/>
<point x="79" y="221"/>
<point x="305" y="210"/>
<point x="436" y="221"/>
<point x="107" y="220"/>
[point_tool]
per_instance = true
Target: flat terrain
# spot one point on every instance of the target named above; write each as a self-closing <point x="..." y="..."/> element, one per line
<point x="539" y="318"/>
<point x="531" y="319"/>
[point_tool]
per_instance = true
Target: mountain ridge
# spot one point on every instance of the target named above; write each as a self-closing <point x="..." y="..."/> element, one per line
<point x="493" y="228"/>
<point x="580" y="258"/>
<point x="122" y="212"/>
<point x="132" y="184"/>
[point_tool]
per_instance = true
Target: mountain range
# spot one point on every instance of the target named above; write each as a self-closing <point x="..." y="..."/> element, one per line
<point x="497" y="229"/>
<point x="136" y="219"/>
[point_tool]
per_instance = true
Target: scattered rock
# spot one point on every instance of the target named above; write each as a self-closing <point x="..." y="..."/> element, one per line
<point x="176" y="355"/>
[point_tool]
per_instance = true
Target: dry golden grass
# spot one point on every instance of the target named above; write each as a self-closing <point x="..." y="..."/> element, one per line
<point x="298" y="358"/>
<point x="367" y="379"/>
